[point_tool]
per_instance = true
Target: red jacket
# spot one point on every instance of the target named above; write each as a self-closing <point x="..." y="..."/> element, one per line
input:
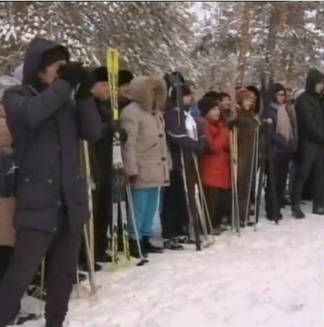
<point x="215" y="163"/>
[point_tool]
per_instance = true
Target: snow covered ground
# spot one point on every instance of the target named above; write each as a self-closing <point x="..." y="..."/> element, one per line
<point x="271" y="278"/>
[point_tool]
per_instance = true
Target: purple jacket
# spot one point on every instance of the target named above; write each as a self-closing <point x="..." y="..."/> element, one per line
<point x="279" y="143"/>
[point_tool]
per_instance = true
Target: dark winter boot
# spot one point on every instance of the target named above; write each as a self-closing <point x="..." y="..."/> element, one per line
<point x="133" y="249"/>
<point x="242" y="224"/>
<point x="297" y="212"/>
<point x="83" y="266"/>
<point x="273" y="218"/>
<point x="217" y="231"/>
<point x="172" y="244"/>
<point x="318" y="210"/>
<point x="223" y="228"/>
<point x="249" y="223"/>
<point x="21" y="319"/>
<point x="103" y="257"/>
<point x="53" y="323"/>
<point x="149" y="247"/>
<point x="183" y="239"/>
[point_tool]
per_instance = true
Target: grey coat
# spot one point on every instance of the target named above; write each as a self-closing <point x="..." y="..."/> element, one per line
<point x="145" y="153"/>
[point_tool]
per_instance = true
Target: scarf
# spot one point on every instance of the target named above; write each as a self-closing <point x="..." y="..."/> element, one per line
<point x="284" y="127"/>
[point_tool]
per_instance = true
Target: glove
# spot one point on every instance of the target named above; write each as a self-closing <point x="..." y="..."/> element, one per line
<point x="237" y="122"/>
<point x="87" y="83"/>
<point x="73" y="73"/>
<point x="122" y="132"/>
<point x="123" y="136"/>
<point x="133" y="179"/>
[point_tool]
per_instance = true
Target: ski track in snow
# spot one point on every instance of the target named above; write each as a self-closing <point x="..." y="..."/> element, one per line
<point x="269" y="278"/>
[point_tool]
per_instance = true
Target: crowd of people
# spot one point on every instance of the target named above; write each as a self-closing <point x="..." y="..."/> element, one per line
<point x="169" y="140"/>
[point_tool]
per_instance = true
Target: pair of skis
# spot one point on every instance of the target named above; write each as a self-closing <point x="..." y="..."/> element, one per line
<point x="119" y="199"/>
<point x="121" y="189"/>
<point x="236" y="214"/>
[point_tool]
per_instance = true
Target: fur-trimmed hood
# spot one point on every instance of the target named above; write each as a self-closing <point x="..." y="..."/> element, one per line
<point x="149" y="92"/>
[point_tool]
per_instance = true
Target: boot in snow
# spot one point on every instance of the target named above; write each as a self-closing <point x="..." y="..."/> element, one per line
<point x="149" y="247"/>
<point x="297" y="212"/>
<point x="318" y="210"/>
<point x="133" y="249"/>
<point x="172" y="244"/>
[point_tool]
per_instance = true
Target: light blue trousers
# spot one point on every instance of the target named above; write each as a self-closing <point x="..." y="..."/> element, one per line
<point x="145" y="201"/>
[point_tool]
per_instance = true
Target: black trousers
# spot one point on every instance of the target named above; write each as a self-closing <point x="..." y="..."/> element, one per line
<point x="5" y="255"/>
<point x="31" y="247"/>
<point x="280" y="163"/>
<point x="218" y="202"/>
<point x="309" y="163"/>
<point x="174" y="216"/>
<point x="243" y="181"/>
<point x="102" y="216"/>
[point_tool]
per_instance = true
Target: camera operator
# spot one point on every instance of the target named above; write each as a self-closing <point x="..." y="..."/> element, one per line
<point x="46" y="125"/>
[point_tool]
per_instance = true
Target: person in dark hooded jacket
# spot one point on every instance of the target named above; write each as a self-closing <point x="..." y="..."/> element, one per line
<point x="174" y="215"/>
<point x="283" y="138"/>
<point x="51" y="195"/>
<point x="310" y="123"/>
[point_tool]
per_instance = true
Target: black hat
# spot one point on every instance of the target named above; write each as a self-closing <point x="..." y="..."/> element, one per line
<point x="51" y="56"/>
<point x="223" y="95"/>
<point x="124" y="77"/>
<point x="100" y="74"/>
<point x="212" y="94"/>
<point x="206" y="104"/>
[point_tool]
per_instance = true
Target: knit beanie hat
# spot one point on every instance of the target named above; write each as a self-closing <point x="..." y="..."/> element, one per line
<point x="124" y="77"/>
<point x="100" y="74"/>
<point x="206" y="104"/>
<point x="212" y="94"/>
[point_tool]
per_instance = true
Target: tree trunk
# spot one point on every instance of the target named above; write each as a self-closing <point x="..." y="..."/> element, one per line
<point x="245" y="41"/>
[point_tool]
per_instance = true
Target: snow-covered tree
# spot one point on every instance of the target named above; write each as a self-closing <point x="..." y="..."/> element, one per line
<point x="152" y="37"/>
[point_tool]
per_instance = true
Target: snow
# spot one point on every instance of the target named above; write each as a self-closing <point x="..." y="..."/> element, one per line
<point x="271" y="277"/>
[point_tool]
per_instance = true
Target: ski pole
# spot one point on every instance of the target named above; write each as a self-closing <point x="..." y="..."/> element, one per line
<point x="142" y="261"/>
<point x="253" y="159"/>
<point x="90" y="263"/>
<point x="193" y="221"/>
<point x="206" y="217"/>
